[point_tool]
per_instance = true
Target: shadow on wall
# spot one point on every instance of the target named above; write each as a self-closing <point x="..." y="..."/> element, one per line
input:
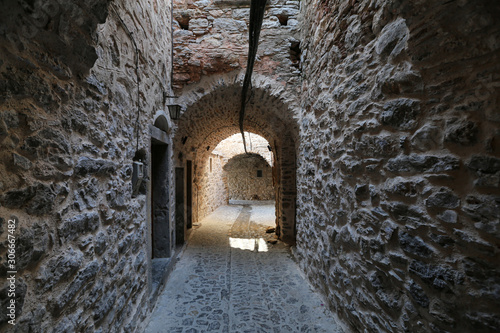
<point x="249" y="177"/>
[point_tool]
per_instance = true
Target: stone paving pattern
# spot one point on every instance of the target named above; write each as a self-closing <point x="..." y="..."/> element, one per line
<point x="219" y="288"/>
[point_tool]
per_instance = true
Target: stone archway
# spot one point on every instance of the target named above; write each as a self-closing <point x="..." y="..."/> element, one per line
<point x="211" y="115"/>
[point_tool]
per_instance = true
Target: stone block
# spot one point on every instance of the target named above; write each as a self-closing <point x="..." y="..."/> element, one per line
<point x="78" y="225"/>
<point x="124" y="245"/>
<point x="442" y="240"/>
<point x="426" y="138"/>
<point x="10" y="118"/>
<point x="105" y="305"/>
<point x="393" y="39"/>
<point x="198" y="26"/>
<point x="140" y="261"/>
<point x="444" y="198"/>
<point x="434" y="275"/>
<point x="95" y="84"/>
<point x="399" y="82"/>
<point x="32" y="245"/>
<point x="484" y="164"/>
<point x="473" y="242"/>
<point x="461" y="132"/>
<point x="403" y="187"/>
<point x="362" y="192"/>
<point x="229" y="25"/>
<point x="407" y="215"/>
<point x="100" y="242"/>
<point x="488" y="180"/>
<point x="87" y="166"/>
<point x="95" y="293"/>
<point x="42" y="202"/>
<point x="440" y="312"/>
<point x="484" y="211"/>
<point x="58" y="269"/>
<point x="416" y="163"/>
<point x="54" y="139"/>
<point x="483" y="320"/>
<point x="418" y="294"/>
<point x="401" y="113"/>
<point x="37" y="199"/>
<point x="116" y="199"/>
<point x="77" y="121"/>
<point x="350" y="164"/>
<point x="242" y="13"/>
<point x="4" y="131"/>
<point x="448" y="216"/>
<point x="388" y="230"/>
<point x="414" y="245"/>
<point x="85" y="276"/>
<point x="484" y="275"/>
<point x="353" y="33"/>
<point x="64" y="326"/>
<point x="21" y="161"/>
<point x="30" y="320"/>
<point x="377" y="146"/>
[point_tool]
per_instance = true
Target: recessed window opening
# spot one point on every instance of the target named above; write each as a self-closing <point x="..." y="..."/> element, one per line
<point x="259" y="173"/>
<point x="295" y="53"/>
<point x="210" y="164"/>
<point x="283" y="19"/>
<point x="183" y="22"/>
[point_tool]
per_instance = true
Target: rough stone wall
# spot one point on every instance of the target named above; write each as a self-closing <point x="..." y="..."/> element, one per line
<point x="211" y="188"/>
<point x="68" y="135"/>
<point x="211" y="37"/>
<point x="242" y="180"/>
<point x="399" y="162"/>
<point x="232" y="146"/>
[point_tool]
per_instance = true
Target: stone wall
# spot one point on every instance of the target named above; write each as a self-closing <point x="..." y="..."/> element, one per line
<point x="70" y="126"/>
<point x="398" y="166"/>
<point x="211" y="187"/>
<point x="244" y="183"/>
<point x="211" y="37"/>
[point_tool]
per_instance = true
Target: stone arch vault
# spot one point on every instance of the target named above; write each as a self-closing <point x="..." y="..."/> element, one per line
<point x="210" y="114"/>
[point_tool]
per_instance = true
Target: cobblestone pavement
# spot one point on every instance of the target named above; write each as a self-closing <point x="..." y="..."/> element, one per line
<point x="230" y="279"/>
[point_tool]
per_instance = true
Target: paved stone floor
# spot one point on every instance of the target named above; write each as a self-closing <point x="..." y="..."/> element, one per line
<point x="230" y="279"/>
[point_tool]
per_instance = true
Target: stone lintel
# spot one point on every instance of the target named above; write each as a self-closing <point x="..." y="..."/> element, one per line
<point x="158" y="134"/>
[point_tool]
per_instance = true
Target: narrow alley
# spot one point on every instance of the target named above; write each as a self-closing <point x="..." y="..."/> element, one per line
<point x="230" y="279"/>
<point x="249" y="166"/>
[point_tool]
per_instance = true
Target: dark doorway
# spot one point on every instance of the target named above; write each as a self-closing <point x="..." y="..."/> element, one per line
<point x="160" y="226"/>
<point x="179" y="206"/>
<point x="189" y="194"/>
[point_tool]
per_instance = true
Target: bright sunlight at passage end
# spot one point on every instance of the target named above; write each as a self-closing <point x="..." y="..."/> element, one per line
<point x="251" y="244"/>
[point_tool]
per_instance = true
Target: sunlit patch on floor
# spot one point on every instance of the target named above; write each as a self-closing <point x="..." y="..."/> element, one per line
<point x="250" y="244"/>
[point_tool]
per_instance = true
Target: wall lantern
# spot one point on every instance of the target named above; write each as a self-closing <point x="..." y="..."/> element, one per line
<point x="175" y="111"/>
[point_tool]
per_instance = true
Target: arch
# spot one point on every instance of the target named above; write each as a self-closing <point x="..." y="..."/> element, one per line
<point x="255" y="156"/>
<point x="161" y="121"/>
<point x="233" y="145"/>
<point x="211" y="114"/>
